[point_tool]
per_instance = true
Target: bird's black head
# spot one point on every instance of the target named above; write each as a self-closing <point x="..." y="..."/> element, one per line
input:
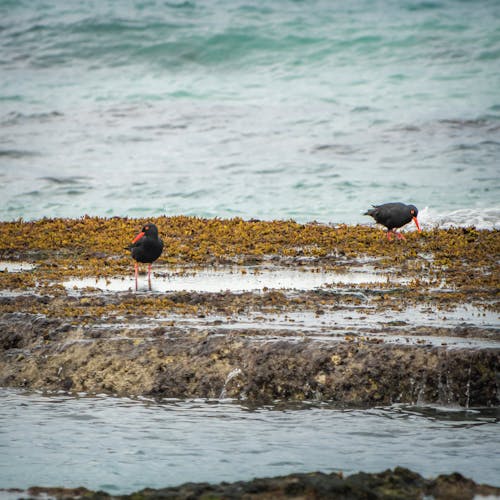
<point x="413" y="210"/>
<point x="150" y="229"/>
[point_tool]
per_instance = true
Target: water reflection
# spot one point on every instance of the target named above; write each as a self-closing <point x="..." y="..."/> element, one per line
<point x="236" y="280"/>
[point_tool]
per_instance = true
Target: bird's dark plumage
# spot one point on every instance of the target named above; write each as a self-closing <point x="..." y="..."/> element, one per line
<point x="146" y="247"/>
<point x="394" y="216"/>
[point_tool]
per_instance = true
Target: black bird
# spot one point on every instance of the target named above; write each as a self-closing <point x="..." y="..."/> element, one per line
<point x="146" y="247"/>
<point x="394" y="216"/>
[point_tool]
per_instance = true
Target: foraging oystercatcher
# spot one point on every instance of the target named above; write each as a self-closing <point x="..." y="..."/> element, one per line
<point x="394" y="216"/>
<point x="146" y="247"/>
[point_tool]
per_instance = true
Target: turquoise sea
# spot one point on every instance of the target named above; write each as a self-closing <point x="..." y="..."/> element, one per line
<point x="274" y="110"/>
<point x="284" y="109"/>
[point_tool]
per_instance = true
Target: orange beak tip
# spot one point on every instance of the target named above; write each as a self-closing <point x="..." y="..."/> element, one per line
<point x="138" y="237"/>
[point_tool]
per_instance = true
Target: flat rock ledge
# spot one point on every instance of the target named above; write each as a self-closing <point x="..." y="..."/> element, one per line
<point x="57" y="336"/>
<point x="46" y="354"/>
<point x="394" y="484"/>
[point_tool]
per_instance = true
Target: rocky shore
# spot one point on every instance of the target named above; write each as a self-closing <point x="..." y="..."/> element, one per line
<point x="397" y="484"/>
<point x="393" y="337"/>
<point x="211" y="362"/>
<point x="412" y="321"/>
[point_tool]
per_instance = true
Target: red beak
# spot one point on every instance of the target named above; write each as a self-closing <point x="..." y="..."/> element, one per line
<point x="417" y="224"/>
<point x="138" y="237"/>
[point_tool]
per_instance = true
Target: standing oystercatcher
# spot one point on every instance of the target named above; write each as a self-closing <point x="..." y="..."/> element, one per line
<point x="394" y="216"/>
<point x="146" y="247"/>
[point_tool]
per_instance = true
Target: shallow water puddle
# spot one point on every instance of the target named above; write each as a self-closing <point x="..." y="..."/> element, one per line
<point x="370" y="338"/>
<point x="368" y="319"/>
<point x="410" y="317"/>
<point x="234" y="280"/>
<point x="15" y="267"/>
<point x="361" y="324"/>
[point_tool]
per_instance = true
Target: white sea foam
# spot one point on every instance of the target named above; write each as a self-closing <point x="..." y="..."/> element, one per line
<point x="480" y="218"/>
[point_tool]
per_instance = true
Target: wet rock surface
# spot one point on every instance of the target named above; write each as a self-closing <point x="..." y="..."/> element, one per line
<point x="212" y="363"/>
<point x="394" y="484"/>
<point x="418" y="324"/>
<point x="426" y="330"/>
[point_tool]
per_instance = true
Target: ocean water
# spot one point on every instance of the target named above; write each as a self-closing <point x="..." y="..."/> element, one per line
<point x="123" y="445"/>
<point x="275" y="110"/>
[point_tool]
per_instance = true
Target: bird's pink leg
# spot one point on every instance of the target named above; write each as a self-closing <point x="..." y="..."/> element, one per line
<point x="400" y="236"/>
<point x="389" y="233"/>
<point x="136" y="274"/>
<point x="149" y="276"/>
